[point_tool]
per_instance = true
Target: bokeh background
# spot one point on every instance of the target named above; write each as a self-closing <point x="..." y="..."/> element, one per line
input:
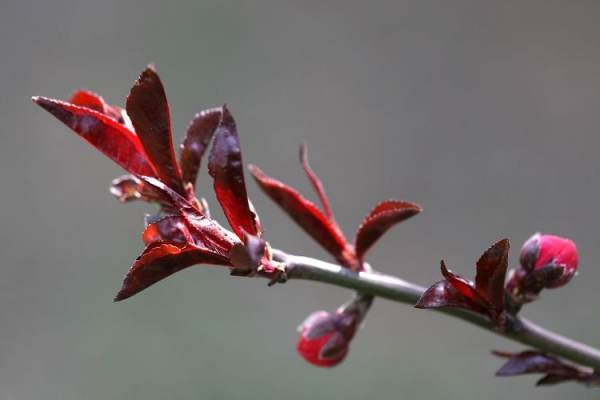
<point x="486" y="113"/>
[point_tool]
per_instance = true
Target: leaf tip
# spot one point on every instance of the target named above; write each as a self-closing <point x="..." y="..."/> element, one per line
<point x="120" y="296"/>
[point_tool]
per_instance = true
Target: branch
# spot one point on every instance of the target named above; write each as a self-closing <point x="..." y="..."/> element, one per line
<point x="396" y="289"/>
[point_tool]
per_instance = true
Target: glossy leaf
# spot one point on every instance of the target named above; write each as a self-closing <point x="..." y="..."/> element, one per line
<point x="88" y="99"/>
<point x="305" y="213"/>
<point x="205" y="231"/>
<point x="85" y="98"/>
<point x="149" y="112"/>
<point x="461" y="285"/>
<point x="160" y="260"/>
<point x="170" y="229"/>
<point x="491" y="273"/>
<point x="104" y="133"/>
<point x="226" y="167"/>
<point x="385" y="215"/>
<point x="453" y="292"/>
<point x="197" y="138"/>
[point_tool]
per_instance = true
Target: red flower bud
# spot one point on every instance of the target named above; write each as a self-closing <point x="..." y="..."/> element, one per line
<point x="323" y="340"/>
<point x="325" y="336"/>
<point x="542" y="251"/>
<point x="547" y="262"/>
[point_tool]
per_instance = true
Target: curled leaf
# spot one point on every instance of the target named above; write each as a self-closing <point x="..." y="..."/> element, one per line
<point x="306" y="214"/>
<point x="462" y="286"/>
<point x="197" y="138"/>
<point x="385" y="215"/>
<point x="104" y="133"/>
<point x="160" y="260"/>
<point x="226" y="168"/>
<point x="454" y="292"/>
<point x="149" y="112"/>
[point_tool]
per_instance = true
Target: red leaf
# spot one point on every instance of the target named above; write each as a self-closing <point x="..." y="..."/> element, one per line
<point x="85" y="98"/>
<point x="198" y="136"/>
<point x="453" y="292"/>
<point x="104" y="133"/>
<point x="315" y="182"/>
<point x="491" y="273"/>
<point x="385" y="215"/>
<point x="226" y="167"/>
<point x="149" y="112"/>
<point x="205" y="232"/>
<point x="88" y="99"/>
<point x="167" y="229"/>
<point x="159" y="260"/>
<point x="443" y="294"/>
<point x="306" y="214"/>
<point x="462" y="286"/>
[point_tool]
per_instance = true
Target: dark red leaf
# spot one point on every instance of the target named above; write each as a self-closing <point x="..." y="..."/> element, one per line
<point x="385" y="215"/>
<point x="197" y="138"/>
<point x="149" y="112"/>
<point x="453" y="292"/>
<point x="226" y="167"/>
<point x="104" y="133"/>
<point x="462" y="286"/>
<point x="170" y="229"/>
<point x="306" y="214"/>
<point x="88" y="99"/>
<point x="159" y="260"/>
<point x="206" y="232"/>
<point x="548" y="380"/>
<point x="528" y="362"/>
<point x="315" y="182"/>
<point x="534" y="362"/>
<point x="491" y="273"/>
<point x="443" y="294"/>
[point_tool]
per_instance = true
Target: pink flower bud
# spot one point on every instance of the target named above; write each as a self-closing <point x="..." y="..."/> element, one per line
<point x="325" y="337"/>
<point x="549" y="251"/>
<point x="547" y="262"/>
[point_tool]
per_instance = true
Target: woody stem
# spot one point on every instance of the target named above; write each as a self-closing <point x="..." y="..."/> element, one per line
<point x="396" y="289"/>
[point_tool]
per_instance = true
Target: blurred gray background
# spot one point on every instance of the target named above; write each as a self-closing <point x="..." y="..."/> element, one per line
<point x="486" y="113"/>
